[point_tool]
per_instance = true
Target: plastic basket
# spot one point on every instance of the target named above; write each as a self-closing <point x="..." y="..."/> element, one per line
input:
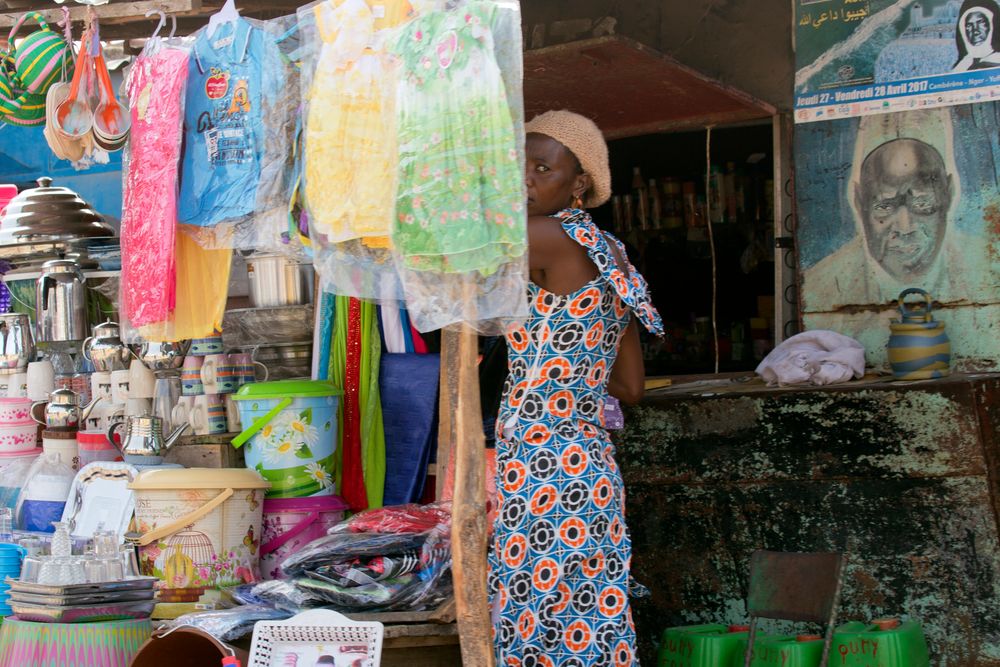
<point x="313" y="634"/>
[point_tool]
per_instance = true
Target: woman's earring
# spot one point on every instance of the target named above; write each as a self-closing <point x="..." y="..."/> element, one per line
<point x="578" y="202"/>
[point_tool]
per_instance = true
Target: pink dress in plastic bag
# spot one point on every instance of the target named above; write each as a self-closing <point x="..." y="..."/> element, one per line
<point x="149" y="217"/>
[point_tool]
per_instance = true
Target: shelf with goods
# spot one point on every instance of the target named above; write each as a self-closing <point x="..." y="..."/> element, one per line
<point x="661" y="212"/>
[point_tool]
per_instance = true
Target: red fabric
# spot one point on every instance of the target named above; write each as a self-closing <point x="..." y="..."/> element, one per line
<point x="419" y="346"/>
<point x="353" y="477"/>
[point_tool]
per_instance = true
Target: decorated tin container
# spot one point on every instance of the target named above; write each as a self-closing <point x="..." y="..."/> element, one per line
<point x="919" y="348"/>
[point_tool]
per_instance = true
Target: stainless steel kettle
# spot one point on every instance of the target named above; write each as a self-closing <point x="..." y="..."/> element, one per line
<point x="143" y="442"/>
<point x="105" y="348"/>
<point x="62" y="410"/>
<point x="17" y="345"/>
<point x="61" y="302"/>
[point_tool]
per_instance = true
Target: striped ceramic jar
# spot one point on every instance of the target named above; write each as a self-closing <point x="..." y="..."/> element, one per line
<point x="918" y="348"/>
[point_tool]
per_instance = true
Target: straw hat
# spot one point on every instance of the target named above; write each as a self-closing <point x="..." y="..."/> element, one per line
<point x="584" y="139"/>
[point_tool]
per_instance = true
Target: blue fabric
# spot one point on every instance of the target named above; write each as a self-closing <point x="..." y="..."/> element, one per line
<point x="223" y="123"/>
<point x="408" y="385"/>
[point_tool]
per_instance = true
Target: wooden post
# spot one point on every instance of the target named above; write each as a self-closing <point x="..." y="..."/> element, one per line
<point x="462" y="421"/>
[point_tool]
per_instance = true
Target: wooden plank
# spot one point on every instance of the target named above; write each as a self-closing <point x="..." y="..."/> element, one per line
<point x="112" y="12"/>
<point x="424" y="630"/>
<point x="468" y="520"/>
<point x="446" y="425"/>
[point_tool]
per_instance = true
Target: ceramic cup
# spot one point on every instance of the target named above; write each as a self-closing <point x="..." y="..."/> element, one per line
<point x="135" y="407"/>
<point x="218" y="376"/>
<point x="41" y="380"/>
<point x="191" y="384"/>
<point x="208" y="415"/>
<point x="247" y="369"/>
<point x="141" y="380"/>
<point x="103" y="415"/>
<point x="120" y="386"/>
<point x="100" y="385"/>
<point x="233" y="416"/>
<point x="201" y="347"/>
<point x="17" y="385"/>
<point x="181" y="413"/>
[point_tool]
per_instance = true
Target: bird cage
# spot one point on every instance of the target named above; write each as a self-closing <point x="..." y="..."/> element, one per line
<point x="193" y="544"/>
<point x="186" y="554"/>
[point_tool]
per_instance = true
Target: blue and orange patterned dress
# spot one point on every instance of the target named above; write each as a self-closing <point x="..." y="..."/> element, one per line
<point x="559" y="565"/>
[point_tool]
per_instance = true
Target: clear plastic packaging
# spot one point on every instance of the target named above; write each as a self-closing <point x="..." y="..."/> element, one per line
<point x="12" y="477"/>
<point x="387" y="559"/>
<point x="151" y="165"/>
<point x="460" y="232"/>
<point x="229" y="624"/>
<point x="46" y="489"/>
<point x="350" y="155"/>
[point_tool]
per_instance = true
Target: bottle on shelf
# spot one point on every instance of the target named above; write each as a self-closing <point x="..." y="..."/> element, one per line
<point x="672" y="205"/>
<point x="641" y="199"/>
<point x="690" y="200"/>
<point x="716" y="198"/>
<point x="655" y="207"/>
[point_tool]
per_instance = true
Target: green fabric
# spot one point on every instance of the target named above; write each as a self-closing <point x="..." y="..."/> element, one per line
<point x="337" y="370"/>
<point x="372" y="428"/>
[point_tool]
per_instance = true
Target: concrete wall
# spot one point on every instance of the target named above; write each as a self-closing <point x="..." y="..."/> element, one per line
<point x="901" y="476"/>
<point x="744" y="44"/>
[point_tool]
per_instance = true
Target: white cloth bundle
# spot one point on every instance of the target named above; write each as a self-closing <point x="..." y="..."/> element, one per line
<point x="814" y="357"/>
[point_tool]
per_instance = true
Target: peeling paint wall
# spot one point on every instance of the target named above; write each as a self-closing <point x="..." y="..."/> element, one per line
<point x="744" y="44"/>
<point x="902" y="477"/>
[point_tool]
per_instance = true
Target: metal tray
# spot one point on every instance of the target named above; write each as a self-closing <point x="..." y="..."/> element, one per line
<point x="129" y="584"/>
<point x="90" y="613"/>
<point x="87" y="598"/>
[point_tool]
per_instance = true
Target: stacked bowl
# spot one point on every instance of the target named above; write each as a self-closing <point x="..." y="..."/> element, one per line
<point x="11" y="556"/>
<point x="18" y="431"/>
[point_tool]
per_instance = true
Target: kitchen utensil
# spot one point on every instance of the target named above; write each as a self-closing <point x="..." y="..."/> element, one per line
<point x="121" y="387"/>
<point x="165" y="394"/>
<point x="105" y="349"/>
<point x="143" y="442"/>
<point x="163" y="356"/>
<point x="64" y="445"/>
<point x="74" y="116"/>
<point x="191" y="382"/>
<point x="17" y="345"/>
<point x="919" y="347"/>
<point x="278" y="280"/>
<point x="100" y="385"/>
<point x="17" y="385"/>
<point x="50" y="214"/>
<point x="100" y="500"/>
<point x="112" y="119"/>
<point x="218" y="376"/>
<point x="18" y="438"/>
<point x="208" y="415"/>
<point x="61" y="302"/>
<point x="245" y="367"/>
<point x="15" y="410"/>
<point x="142" y="382"/>
<point x="62" y="410"/>
<point x="40" y="379"/>
<point x="202" y="347"/>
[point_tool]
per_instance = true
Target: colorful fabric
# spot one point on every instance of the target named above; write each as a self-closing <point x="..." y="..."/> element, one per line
<point x="40" y="57"/>
<point x="559" y="567"/>
<point x="149" y="215"/>
<point x="460" y="205"/>
<point x="227" y="78"/>
<point x="350" y="135"/>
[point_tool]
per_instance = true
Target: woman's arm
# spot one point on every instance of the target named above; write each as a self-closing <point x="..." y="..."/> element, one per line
<point x="628" y="375"/>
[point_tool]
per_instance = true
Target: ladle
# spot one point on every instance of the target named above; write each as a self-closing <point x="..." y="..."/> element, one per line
<point x="73" y="115"/>
<point x="111" y="118"/>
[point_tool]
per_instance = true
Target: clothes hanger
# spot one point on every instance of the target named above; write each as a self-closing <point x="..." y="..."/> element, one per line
<point x="227" y="14"/>
<point x="159" y="26"/>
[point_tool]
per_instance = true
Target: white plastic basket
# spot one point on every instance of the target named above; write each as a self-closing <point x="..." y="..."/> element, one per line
<point x="316" y="637"/>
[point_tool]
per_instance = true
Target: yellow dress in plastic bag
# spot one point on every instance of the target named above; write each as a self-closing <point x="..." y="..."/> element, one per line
<point x="350" y="135"/>
<point x="202" y="290"/>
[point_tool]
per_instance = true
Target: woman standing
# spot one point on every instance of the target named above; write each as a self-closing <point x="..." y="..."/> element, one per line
<point x="559" y="568"/>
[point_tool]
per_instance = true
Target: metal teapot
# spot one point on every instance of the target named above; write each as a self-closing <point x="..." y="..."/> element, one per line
<point x="105" y="348"/>
<point x="143" y="442"/>
<point x="62" y="410"/>
<point x="61" y="302"/>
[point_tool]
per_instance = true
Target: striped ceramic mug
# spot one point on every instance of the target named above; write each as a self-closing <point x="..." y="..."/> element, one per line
<point x="918" y="348"/>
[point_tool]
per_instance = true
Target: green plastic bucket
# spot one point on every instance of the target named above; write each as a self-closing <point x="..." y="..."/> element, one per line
<point x="781" y="651"/>
<point x="290" y="435"/>
<point x="867" y="645"/>
<point x="707" y="645"/>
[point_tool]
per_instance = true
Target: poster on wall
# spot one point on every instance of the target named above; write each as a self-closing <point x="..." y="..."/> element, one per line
<point x="864" y="57"/>
<point x="900" y="200"/>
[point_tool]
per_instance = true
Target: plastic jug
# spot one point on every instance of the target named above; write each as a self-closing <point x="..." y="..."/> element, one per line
<point x="782" y="651"/>
<point x="881" y="643"/>
<point x="700" y="645"/>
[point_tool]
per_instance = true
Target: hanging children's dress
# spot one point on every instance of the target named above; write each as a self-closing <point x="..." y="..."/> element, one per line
<point x="461" y="195"/>
<point x="459" y="231"/>
<point x="223" y="117"/>
<point x="350" y="143"/>
<point x="149" y="212"/>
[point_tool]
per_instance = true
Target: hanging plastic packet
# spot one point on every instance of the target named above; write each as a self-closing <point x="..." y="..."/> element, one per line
<point x="350" y="153"/>
<point x="44" y="495"/>
<point x="460" y="230"/>
<point x="151" y="162"/>
<point x="229" y="624"/>
<point x="12" y="477"/>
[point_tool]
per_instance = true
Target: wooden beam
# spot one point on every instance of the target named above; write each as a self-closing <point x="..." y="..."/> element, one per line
<point x="112" y="12"/>
<point x="447" y="399"/>
<point x="468" y="514"/>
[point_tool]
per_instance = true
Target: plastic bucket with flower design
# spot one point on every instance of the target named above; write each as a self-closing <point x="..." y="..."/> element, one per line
<point x="290" y="435"/>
